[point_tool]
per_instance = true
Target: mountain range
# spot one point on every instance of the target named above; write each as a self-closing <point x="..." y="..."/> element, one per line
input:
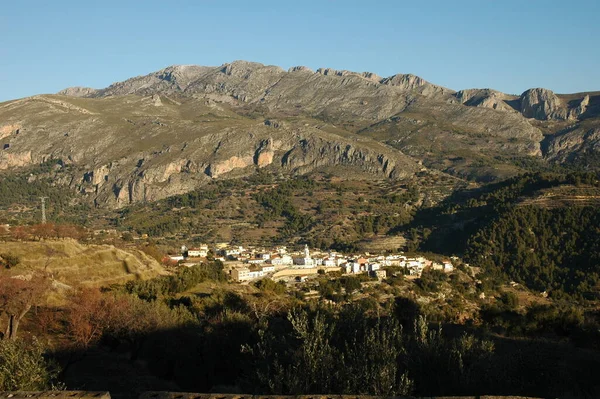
<point x="179" y="128"/>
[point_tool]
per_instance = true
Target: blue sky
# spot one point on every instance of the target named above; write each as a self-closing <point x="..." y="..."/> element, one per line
<point x="508" y="45"/>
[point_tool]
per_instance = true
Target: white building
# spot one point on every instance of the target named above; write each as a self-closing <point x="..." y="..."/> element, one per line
<point x="282" y="260"/>
<point x="352" y="267"/>
<point x="448" y="266"/>
<point x="330" y="262"/>
<point x="306" y="261"/>
<point x="232" y="251"/>
<point x="197" y="253"/>
<point x="242" y="274"/>
<point x="268" y="269"/>
<point x="256" y="274"/>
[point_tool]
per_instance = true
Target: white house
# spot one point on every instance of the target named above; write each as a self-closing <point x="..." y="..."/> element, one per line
<point x="268" y="269"/>
<point x="232" y="251"/>
<point x="256" y="274"/>
<point x="242" y="274"/>
<point x="330" y="262"/>
<point x="199" y="252"/>
<point x="352" y="267"/>
<point x="282" y="260"/>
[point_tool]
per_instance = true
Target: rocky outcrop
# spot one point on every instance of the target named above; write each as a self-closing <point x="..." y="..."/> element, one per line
<point x="486" y="98"/>
<point x="334" y="72"/>
<point x="405" y="81"/>
<point x="217" y="169"/>
<point x="264" y="154"/>
<point x="300" y="68"/>
<point x="10" y="160"/>
<point x="580" y="109"/>
<point x="156" y="100"/>
<point x="78" y="92"/>
<point x="8" y="130"/>
<point x="576" y="143"/>
<point x="542" y="104"/>
<point x="408" y="82"/>
<point x="310" y="154"/>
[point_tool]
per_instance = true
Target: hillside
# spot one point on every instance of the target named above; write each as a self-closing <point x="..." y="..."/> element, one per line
<point x="177" y="129"/>
<point x="73" y="264"/>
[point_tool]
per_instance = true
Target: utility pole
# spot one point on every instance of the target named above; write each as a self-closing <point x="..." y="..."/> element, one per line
<point x="43" y="209"/>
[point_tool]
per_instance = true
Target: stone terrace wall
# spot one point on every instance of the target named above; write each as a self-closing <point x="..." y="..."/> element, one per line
<point x="187" y="395"/>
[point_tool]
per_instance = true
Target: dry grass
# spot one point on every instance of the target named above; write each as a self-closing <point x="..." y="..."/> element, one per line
<point x="71" y="263"/>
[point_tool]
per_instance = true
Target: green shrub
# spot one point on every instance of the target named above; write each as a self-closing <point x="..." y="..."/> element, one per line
<point x="24" y="368"/>
<point x="9" y="260"/>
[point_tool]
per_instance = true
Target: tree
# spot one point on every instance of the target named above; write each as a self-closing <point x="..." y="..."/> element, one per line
<point x="17" y="296"/>
<point x="93" y="314"/>
<point x="20" y="233"/>
<point x="43" y="230"/>
<point x="89" y="316"/>
<point x="350" y="284"/>
<point x="24" y="368"/>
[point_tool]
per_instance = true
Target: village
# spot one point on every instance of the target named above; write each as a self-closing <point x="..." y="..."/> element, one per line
<point x="245" y="264"/>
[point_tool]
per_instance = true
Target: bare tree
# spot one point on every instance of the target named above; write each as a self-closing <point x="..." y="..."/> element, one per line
<point x="90" y="315"/>
<point x="17" y="297"/>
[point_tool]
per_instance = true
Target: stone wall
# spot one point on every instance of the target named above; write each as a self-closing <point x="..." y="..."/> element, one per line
<point x="55" y="395"/>
<point x="188" y="395"/>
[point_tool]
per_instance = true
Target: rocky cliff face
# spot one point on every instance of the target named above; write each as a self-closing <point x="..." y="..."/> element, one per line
<point x="542" y="104"/>
<point x="486" y="98"/>
<point x="579" y="144"/>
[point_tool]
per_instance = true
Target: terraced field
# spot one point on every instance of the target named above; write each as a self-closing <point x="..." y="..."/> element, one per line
<point x="73" y="264"/>
<point x="564" y="196"/>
